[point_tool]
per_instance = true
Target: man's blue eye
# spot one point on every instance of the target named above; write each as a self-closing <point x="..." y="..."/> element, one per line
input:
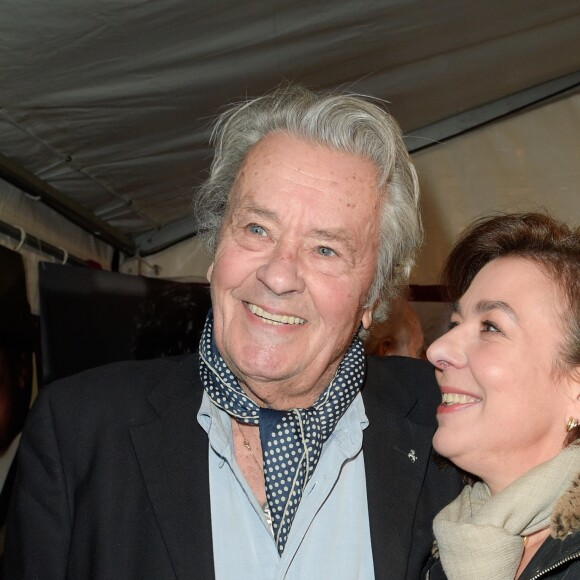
<point x="256" y="229"/>
<point x="324" y="251"/>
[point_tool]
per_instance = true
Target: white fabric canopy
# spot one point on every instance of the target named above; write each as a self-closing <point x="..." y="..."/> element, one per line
<point x="109" y="102"/>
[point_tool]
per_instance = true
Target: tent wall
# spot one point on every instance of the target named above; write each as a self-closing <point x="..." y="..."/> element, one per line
<point x="187" y="261"/>
<point x="525" y="162"/>
<point x="36" y="219"/>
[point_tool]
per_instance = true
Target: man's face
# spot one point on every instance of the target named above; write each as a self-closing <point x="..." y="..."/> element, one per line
<point x="295" y="260"/>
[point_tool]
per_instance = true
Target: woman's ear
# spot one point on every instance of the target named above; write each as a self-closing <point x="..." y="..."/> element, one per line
<point x="572" y="384"/>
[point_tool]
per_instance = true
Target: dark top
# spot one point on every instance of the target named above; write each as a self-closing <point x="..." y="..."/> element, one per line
<point x="113" y="474"/>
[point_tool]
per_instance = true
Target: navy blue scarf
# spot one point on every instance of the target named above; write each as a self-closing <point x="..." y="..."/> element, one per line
<point x="291" y="440"/>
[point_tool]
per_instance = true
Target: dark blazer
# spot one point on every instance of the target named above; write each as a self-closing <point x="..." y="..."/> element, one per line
<point x="113" y="474"/>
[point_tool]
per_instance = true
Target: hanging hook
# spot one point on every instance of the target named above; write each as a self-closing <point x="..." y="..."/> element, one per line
<point x="155" y="268"/>
<point x="64" y="255"/>
<point x="22" y="239"/>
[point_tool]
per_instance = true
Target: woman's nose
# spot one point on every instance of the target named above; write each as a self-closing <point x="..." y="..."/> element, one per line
<point x="446" y="351"/>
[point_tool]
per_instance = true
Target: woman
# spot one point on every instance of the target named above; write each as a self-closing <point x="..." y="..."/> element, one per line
<point x="509" y="373"/>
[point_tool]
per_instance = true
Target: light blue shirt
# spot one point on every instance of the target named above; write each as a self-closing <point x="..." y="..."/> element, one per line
<point x="330" y="535"/>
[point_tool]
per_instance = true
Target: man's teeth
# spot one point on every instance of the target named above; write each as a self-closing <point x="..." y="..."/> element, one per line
<point x="457" y="399"/>
<point x="275" y="319"/>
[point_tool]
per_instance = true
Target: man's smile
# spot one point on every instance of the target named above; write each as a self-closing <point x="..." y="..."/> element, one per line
<point x="275" y="319"/>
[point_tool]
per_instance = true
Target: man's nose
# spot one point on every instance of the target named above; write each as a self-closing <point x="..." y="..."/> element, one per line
<point x="281" y="271"/>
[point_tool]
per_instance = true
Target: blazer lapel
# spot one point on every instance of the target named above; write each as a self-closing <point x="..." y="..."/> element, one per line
<point x="173" y="455"/>
<point x="397" y="453"/>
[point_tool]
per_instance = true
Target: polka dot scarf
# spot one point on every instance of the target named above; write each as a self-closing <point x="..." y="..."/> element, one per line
<point x="291" y="440"/>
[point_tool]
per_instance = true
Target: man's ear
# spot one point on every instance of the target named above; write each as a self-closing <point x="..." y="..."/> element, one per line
<point x="367" y="317"/>
<point x="385" y="348"/>
<point x="209" y="272"/>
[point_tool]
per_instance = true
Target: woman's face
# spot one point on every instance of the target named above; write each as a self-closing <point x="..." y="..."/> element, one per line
<point x="504" y="407"/>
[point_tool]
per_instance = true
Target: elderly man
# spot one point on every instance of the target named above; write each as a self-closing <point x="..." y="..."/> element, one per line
<point x="259" y="458"/>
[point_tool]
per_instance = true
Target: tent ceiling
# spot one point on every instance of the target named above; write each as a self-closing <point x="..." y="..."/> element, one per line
<point x="109" y="101"/>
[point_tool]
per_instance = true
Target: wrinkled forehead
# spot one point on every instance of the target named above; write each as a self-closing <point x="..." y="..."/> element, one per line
<point x="310" y="165"/>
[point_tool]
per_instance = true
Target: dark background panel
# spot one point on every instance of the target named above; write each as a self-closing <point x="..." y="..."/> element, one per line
<point x="91" y="317"/>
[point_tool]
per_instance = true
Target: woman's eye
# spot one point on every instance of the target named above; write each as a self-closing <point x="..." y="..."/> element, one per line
<point x="452" y="324"/>
<point x="488" y="326"/>
<point x="256" y="230"/>
<point x="327" y="252"/>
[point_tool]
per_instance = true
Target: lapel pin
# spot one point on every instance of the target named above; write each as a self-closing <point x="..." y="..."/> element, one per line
<point x="411" y="455"/>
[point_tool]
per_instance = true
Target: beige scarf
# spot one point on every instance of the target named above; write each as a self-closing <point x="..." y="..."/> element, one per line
<point x="480" y="536"/>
